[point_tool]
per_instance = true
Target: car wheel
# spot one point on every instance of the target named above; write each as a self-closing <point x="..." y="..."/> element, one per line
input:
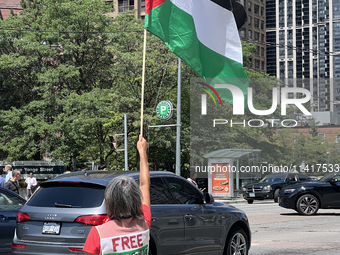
<point x="276" y="195"/>
<point x="237" y="243"/>
<point x="250" y="201"/>
<point x="307" y="205"/>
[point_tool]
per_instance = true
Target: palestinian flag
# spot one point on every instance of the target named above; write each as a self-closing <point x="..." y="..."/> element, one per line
<point x="204" y="34"/>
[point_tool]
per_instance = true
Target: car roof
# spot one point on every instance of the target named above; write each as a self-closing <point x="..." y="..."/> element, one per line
<point x="99" y="177"/>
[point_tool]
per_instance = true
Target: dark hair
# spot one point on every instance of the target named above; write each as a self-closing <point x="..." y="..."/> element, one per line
<point x="1" y="171"/>
<point x="123" y="199"/>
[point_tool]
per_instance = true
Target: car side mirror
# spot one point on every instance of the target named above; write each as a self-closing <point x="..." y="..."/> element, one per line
<point x="208" y="198"/>
<point x="333" y="181"/>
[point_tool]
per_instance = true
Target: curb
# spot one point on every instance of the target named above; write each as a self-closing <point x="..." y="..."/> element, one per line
<point x="231" y="201"/>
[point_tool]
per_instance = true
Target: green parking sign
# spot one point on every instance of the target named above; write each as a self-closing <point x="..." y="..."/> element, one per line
<point x="164" y="110"/>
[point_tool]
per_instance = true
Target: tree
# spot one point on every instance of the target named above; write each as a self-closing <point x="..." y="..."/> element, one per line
<point x="67" y="91"/>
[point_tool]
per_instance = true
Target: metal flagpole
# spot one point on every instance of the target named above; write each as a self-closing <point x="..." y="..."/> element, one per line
<point x="178" y="129"/>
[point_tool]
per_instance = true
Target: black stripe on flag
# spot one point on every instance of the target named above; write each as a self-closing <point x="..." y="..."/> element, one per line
<point x="237" y="9"/>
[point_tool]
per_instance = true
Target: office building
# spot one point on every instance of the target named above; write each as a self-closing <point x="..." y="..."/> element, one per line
<point x="121" y="6"/>
<point x="303" y="49"/>
<point x="7" y="5"/>
<point x="254" y="30"/>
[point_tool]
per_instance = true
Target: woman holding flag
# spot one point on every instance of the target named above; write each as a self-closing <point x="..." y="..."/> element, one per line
<point x="129" y="214"/>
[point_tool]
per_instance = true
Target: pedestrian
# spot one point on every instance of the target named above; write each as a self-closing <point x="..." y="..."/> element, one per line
<point x="2" y="179"/>
<point x="8" y="170"/>
<point x="128" y="210"/>
<point x="12" y="184"/>
<point x="31" y="183"/>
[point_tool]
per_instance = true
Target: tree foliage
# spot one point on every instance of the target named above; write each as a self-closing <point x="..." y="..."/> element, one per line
<point x="69" y="73"/>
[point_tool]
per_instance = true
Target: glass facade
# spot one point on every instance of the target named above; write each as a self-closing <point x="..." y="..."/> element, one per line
<point x="307" y="45"/>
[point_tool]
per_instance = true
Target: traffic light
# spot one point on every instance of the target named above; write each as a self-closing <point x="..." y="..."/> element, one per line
<point x="113" y="142"/>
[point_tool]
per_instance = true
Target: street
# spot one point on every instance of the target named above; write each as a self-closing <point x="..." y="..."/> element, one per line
<point x="276" y="230"/>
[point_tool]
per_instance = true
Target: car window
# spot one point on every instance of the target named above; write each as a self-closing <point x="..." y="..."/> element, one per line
<point x="71" y="195"/>
<point x="159" y="194"/>
<point x="183" y="191"/>
<point x="9" y="201"/>
<point x="291" y="177"/>
<point x="303" y="177"/>
<point x="274" y="178"/>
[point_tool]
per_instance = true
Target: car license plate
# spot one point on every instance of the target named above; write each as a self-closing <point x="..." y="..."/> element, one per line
<point x="51" y="228"/>
<point x="251" y="194"/>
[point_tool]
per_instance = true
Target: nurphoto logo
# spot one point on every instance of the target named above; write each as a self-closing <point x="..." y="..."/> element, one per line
<point x="238" y="100"/>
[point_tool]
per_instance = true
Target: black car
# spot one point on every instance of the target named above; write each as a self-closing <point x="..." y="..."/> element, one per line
<point x="307" y="198"/>
<point x="59" y="216"/>
<point x="10" y="203"/>
<point x="270" y="186"/>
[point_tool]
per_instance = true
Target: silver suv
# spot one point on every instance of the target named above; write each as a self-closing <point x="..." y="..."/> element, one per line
<point x="58" y="218"/>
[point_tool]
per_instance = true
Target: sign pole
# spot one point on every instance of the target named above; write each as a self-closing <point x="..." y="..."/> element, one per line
<point x="125" y="143"/>
<point x="178" y="129"/>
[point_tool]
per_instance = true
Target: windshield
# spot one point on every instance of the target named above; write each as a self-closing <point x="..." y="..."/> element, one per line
<point x="274" y="178"/>
<point x="325" y="177"/>
<point x="68" y="195"/>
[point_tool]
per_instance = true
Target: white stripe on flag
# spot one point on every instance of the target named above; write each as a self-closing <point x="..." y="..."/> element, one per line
<point x="215" y="27"/>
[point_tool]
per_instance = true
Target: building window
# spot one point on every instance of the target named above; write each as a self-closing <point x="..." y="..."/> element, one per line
<point x="257" y="50"/>
<point x="257" y="64"/>
<point x="262" y="10"/>
<point x="256" y="9"/>
<point x="282" y="69"/>
<point x="125" y="5"/>
<point x="262" y="64"/>
<point x="142" y="5"/>
<point x="256" y="23"/>
<point x="242" y="32"/>
<point x="257" y="36"/>
<point x="249" y="20"/>
<point x="250" y="34"/>
<point x="262" y="24"/>
<point x="249" y="6"/>
<point x="262" y="37"/>
<point x="262" y="52"/>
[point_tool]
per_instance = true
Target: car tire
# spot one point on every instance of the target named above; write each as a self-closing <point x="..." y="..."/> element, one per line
<point x="250" y="201"/>
<point x="276" y="195"/>
<point x="237" y="242"/>
<point x="307" y="205"/>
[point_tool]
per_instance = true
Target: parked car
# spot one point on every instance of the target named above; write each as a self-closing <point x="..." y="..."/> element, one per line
<point x="10" y="203"/>
<point x="307" y="198"/>
<point x="270" y="186"/>
<point x="58" y="218"/>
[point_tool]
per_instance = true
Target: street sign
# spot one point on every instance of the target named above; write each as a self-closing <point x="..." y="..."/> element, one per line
<point x="164" y="110"/>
